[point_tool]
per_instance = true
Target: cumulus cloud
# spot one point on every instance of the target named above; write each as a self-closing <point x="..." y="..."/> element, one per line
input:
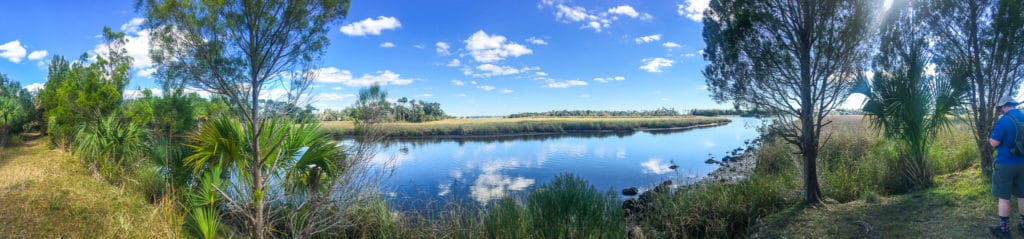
<point x="536" y="41"/>
<point x="490" y="48"/>
<point x="485" y="87"/>
<point x="671" y="45"/>
<point x="655" y="64"/>
<point x="13" y="51"/>
<point x="387" y="45"/>
<point x="607" y="79"/>
<point x="335" y="75"/>
<point x="37" y="55"/>
<point x="442" y="48"/>
<point x="371" y="26"/>
<point x="333" y="97"/>
<point x="137" y="44"/>
<point x="565" y="84"/>
<point x="647" y="39"/>
<point x="425" y="95"/>
<point x="34" y="87"/>
<point x="693" y="9"/>
<point x="454" y="63"/>
<point x="458" y="82"/>
<point x="495" y="70"/>
<point x="506" y="91"/>
<point x="624" y="10"/>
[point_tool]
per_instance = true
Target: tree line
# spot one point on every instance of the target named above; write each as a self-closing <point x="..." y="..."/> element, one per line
<point x="402" y="110"/>
<point x="599" y="113"/>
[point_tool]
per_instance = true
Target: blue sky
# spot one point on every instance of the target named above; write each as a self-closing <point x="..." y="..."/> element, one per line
<point x="474" y="57"/>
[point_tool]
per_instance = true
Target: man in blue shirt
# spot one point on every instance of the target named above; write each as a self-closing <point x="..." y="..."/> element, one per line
<point x="1008" y="176"/>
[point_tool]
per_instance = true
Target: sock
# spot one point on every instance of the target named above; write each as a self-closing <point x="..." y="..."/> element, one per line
<point x="1004" y="223"/>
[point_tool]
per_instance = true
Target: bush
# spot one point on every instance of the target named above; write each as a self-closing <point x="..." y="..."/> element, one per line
<point x="569" y="207"/>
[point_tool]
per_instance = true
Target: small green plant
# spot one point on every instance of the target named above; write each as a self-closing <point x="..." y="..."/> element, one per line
<point x="203" y="202"/>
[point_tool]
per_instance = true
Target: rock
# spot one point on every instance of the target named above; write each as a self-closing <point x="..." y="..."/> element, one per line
<point x="631" y="205"/>
<point x="712" y="161"/>
<point x="631" y="191"/>
<point x="673" y="167"/>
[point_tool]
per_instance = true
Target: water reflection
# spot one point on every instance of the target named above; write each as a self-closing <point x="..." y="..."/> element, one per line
<point x="485" y="169"/>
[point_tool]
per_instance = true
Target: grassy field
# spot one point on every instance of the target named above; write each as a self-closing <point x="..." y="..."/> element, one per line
<point x="525" y="126"/>
<point x="48" y="194"/>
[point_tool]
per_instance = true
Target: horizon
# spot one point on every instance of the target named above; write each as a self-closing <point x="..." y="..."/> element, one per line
<point x="524" y="56"/>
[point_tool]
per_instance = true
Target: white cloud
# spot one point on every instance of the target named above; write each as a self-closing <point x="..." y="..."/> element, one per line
<point x="572" y="14"/>
<point x="624" y="10"/>
<point x="541" y="73"/>
<point x="137" y="45"/>
<point x="655" y="64"/>
<point x="425" y="95"/>
<point x="387" y="45"/>
<point x="13" y="51"/>
<point x="371" y="26"/>
<point x="135" y="94"/>
<point x="133" y="26"/>
<point x="472" y="82"/>
<point x="494" y="70"/>
<point x="37" y="55"/>
<point x="458" y="82"/>
<point x="336" y="88"/>
<point x="671" y="45"/>
<point x="693" y="9"/>
<point x="605" y="80"/>
<point x="565" y="84"/>
<point x="333" y="97"/>
<point x="146" y="72"/>
<point x="689" y="55"/>
<point x="485" y="87"/>
<point x="442" y="48"/>
<point x="536" y="41"/>
<point x="335" y="75"/>
<point x="647" y="39"/>
<point x="34" y="87"/>
<point x="490" y="48"/>
<point x="506" y="91"/>
<point x="454" y="63"/>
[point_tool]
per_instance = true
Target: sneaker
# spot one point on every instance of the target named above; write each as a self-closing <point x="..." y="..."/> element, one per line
<point x="999" y="233"/>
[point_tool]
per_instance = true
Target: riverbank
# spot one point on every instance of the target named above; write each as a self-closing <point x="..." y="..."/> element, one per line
<point x="533" y="126"/>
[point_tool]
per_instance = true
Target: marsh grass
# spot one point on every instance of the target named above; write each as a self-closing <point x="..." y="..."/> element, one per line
<point x="513" y="126"/>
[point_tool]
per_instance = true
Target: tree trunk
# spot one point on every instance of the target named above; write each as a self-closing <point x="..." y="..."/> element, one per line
<point x="257" y="164"/>
<point x="808" y="124"/>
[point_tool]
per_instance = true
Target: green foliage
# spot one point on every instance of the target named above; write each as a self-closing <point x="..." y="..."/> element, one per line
<point x="905" y="103"/>
<point x="981" y="43"/>
<point x="112" y="147"/>
<point x="566" y="207"/>
<point x="203" y="202"/>
<point x="795" y="59"/>
<point x="77" y="94"/>
<point x="16" y="109"/>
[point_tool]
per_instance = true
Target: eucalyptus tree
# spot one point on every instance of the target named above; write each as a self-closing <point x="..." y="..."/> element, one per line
<point x="906" y="102"/>
<point x="241" y="50"/>
<point x="982" y="42"/>
<point x="796" y="59"/>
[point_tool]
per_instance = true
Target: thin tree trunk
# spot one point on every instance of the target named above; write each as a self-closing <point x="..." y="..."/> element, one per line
<point x="808" y="135"/>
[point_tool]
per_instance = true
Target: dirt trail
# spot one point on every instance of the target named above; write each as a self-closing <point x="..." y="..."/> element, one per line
<point x="46" y="193"/>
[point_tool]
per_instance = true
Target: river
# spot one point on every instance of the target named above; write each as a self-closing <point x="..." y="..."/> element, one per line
<point x="482" y="170"/>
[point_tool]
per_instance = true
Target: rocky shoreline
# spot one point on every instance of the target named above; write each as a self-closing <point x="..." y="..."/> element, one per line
<point x="733" y="169"/>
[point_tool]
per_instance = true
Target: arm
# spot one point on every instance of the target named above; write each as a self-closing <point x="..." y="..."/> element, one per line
<point x="993" y="142"/>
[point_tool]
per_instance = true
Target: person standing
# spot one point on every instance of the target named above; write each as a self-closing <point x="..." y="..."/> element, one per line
<point x="1008" y="176"/>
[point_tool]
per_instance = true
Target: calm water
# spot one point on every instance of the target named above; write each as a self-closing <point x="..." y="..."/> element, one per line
<point x="485" y="170"/>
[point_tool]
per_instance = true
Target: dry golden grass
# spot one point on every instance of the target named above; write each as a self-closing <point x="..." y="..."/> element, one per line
<point x="48" y="194"/>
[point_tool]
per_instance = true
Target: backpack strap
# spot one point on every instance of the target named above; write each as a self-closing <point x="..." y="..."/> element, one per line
<point x="1016" y="132"/>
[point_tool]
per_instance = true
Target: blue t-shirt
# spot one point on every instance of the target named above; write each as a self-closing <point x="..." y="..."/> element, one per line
<point x="1005" y="132"/>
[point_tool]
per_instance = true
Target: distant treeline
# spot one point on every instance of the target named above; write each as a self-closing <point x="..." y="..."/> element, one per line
<point x="599" y="113"/>
<point x="404" y="109"/>
<point x="718" y="112"/>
